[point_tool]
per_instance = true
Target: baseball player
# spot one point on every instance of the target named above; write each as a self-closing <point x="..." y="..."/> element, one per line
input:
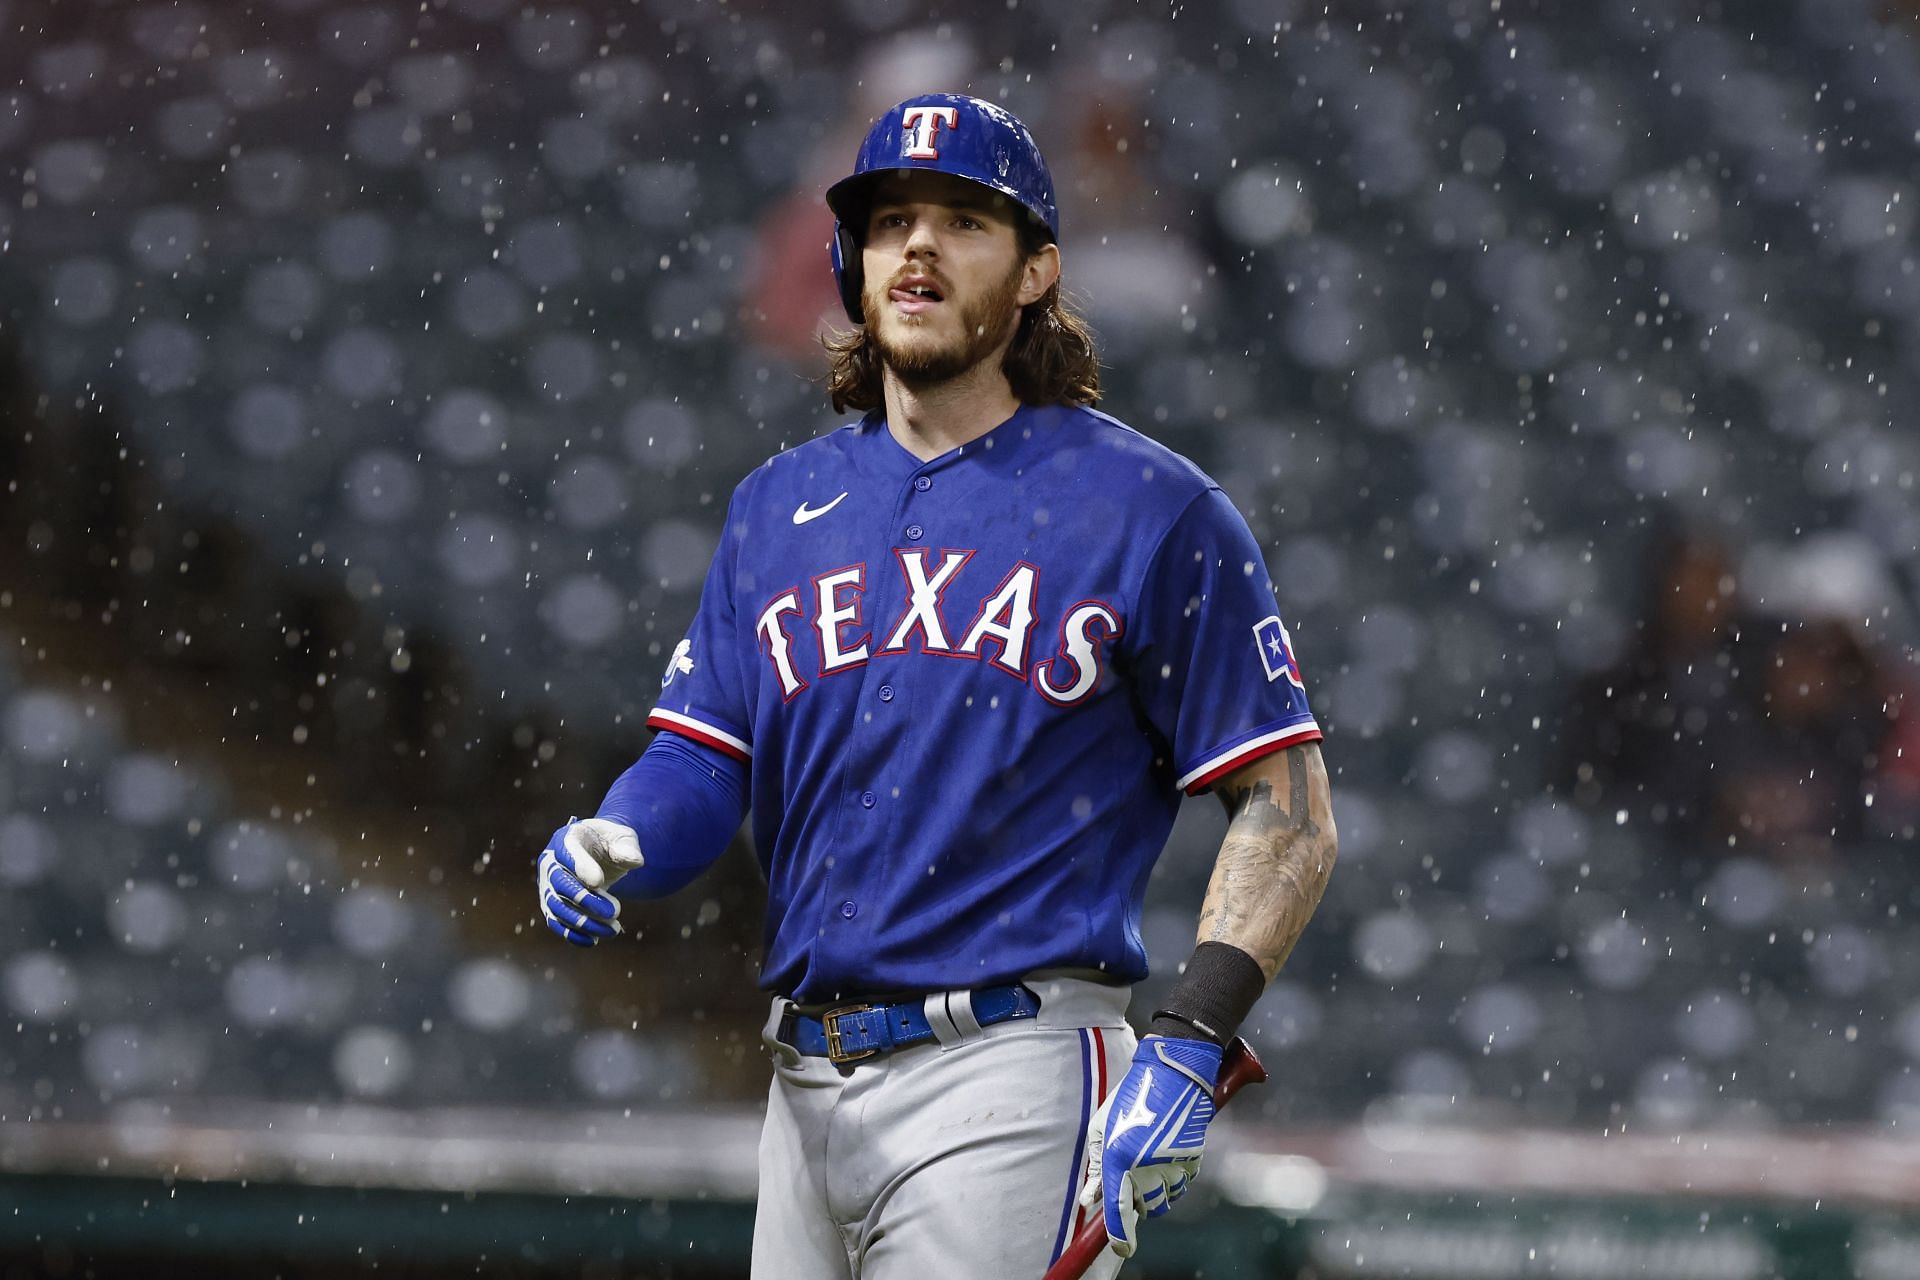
<point x="962" y="659"/>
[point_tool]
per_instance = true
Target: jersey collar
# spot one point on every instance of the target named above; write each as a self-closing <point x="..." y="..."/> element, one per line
<point x="1015" y="434"/>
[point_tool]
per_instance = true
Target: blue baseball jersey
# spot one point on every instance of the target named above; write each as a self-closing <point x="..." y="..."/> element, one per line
<point x="971" y="693"/>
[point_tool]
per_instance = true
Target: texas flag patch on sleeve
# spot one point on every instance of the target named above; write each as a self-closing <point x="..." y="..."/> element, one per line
<point x="1276" y="651"/>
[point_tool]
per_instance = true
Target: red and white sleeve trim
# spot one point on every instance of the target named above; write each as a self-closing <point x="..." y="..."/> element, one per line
<point x="1204" y="774"/>
<point x="702" y="732"/>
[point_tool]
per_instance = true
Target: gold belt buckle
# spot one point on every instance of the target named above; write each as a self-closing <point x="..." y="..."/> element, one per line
<point x="830" y="1023"/>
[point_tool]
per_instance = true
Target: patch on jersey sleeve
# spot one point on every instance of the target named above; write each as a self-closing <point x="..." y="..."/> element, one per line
<point x="1276" y="651"/>
<point x="681" y="663"/>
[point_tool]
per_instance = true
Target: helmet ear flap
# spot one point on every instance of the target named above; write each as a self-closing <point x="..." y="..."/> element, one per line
<point x="844" y="250"/>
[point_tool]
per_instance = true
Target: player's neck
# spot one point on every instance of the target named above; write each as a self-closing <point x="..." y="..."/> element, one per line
<point x="929" y="419"/>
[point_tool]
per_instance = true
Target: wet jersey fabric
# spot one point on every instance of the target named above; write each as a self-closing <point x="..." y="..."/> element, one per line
<point x="970" y="693"/>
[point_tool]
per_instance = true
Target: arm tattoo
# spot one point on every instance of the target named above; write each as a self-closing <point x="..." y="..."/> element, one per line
<point x="1274" y="863"/>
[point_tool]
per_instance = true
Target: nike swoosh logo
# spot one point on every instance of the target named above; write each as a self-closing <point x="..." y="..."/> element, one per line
<point x="806" y="513"/>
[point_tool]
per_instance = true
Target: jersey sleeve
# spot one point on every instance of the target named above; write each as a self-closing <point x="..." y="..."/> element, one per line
<point x="703" y="693"/>
<point x="1211" y="660"/>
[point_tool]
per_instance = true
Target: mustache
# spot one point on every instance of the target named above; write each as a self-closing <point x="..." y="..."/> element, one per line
<point x="930" y="275"/>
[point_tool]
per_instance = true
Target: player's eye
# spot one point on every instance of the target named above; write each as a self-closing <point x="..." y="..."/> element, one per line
<point x="968" y="223"/>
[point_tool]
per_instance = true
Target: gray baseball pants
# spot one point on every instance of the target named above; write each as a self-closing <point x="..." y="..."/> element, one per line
<point x="960" y="1158"/>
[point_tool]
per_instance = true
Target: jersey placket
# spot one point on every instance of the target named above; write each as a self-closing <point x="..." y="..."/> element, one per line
<point x="864" y="849"/>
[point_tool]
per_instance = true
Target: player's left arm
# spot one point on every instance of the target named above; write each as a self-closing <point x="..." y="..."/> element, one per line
<point x="1274" y="863"/>
<point x="1147" y="1141"/>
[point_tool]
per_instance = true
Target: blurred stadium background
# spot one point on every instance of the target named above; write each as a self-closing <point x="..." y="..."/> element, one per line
<point x="373" y="376"/>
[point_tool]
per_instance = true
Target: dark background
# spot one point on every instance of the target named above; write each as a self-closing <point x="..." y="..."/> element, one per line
<point x="373" y="377"/>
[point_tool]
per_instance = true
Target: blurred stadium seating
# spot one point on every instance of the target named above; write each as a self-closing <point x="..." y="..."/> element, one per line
<point x="163" y="945"/>
<point x="471" y="313"/>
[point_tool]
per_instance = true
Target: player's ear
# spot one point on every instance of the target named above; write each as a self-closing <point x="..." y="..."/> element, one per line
<point x="1041" y="272"/>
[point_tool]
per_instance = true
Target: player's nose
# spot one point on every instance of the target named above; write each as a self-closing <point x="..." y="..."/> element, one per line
<point x="923" y="240"/>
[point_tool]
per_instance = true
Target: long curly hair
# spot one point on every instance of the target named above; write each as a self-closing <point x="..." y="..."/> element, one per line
<point x="1051" y="359"/>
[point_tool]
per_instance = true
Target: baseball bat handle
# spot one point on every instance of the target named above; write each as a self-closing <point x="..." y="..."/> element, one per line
<point x="1239" y="1068"/>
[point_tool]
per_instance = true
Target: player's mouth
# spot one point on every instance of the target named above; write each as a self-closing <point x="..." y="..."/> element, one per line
<point x="916" y="294"/>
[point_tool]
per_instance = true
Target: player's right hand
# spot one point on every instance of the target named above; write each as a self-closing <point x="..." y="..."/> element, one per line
<point x="575" y="875"/>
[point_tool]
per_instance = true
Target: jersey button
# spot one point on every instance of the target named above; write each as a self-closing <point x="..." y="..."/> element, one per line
<point x="915" y="533"/>
<point x="923" y="483"/>
<point x="849" y="908"/>
<point x="886" y="693"/>
<point x="868" y="799"/>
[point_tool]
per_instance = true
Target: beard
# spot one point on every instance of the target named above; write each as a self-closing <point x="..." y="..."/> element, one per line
<point x="923" y="360"/>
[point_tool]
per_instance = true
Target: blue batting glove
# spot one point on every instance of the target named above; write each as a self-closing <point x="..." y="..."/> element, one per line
<point x="576" y="870"/>
<point x="1144" y="1145"/>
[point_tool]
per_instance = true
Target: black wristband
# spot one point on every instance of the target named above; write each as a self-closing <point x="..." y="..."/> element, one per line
<point x="1213" y="997"/>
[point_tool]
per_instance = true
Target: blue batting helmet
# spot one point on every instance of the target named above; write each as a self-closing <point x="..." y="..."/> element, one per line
<point x="946" y="133"/>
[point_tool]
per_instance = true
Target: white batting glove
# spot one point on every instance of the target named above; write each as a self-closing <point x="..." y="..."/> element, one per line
<point x="574" y="878"/>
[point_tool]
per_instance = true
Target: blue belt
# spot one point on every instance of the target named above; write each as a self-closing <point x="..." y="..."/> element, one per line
<point x="855" y="1031"/>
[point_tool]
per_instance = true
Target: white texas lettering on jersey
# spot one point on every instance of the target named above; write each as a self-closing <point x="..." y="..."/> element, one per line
<point x="777" y="644"/>
<point x="1005" y="619"/>
<point x="833" y="613"/>
<point x="1079" y="653"/>
<point x="923" y="600"/>
<point x="1006" y="616"/>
